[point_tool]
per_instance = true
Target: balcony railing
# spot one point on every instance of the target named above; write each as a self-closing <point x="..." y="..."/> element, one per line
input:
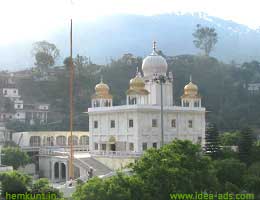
<point x="116" y="153"/>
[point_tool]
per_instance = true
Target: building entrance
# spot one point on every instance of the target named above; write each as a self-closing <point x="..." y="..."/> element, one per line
<point x="112" y="147"/>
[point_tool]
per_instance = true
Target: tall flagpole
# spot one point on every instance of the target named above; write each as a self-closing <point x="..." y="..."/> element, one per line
<point x="71" y="168"/>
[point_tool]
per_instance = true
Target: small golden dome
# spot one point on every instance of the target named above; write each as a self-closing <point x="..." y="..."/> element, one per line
<point x="102" y="91"/>
<point x="191" y="90"/>
<point x="137" y="82"/>
<point x="190" y="87"/>
<point x="102" y="88"/>
<point x="137" y="86"/>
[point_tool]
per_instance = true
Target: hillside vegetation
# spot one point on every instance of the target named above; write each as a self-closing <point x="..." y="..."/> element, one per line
<point x="223" y="88"/>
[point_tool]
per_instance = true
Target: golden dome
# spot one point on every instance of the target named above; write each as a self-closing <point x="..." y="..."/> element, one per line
<point x="102" y="91"/>
<point x="191" y="87"/>
<point x="137" y="86"/>
<point x="102" y="88"/>
<point x="191" y="90"/>
<point x="137" y="82"/>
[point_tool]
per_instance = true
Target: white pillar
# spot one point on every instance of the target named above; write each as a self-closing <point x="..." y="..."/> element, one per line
<point x="52" y="171"/>
<point x="60" y="175"/>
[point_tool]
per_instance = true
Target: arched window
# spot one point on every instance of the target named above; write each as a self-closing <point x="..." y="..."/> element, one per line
<point x="49" y="141"/>
<point x="75" y="140"/>
<point x="63" y="171"/>
<point x="84" y="140"/>
<point x="35" y="141"/>
<point x="56" y="170"/>
<point x="61" y="140"/>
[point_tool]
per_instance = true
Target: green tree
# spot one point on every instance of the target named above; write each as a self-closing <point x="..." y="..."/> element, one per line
<point x="246" y="145"/>
<point x="119" y="187"/>
<point x="252" y="179"/>
<point x="229" y="138"/>
<point x="17" y="126"/>
<point x="14" y="157"/>
<point x="8" y="105"/>
<point x="14" y="183"/>
<point x="45" y="54"/>
<point x="178" y="167"/>
<point x="230" y="173"/>
<point x="212" y="146"/>
<point x="205" y="38"/>
<point x="42" y="186"/>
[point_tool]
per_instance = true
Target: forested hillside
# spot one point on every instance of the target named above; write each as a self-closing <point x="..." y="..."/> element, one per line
<point x="223" y="88"/>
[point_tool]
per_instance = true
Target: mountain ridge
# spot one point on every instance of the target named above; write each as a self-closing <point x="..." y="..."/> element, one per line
<point x="112" y="36"/>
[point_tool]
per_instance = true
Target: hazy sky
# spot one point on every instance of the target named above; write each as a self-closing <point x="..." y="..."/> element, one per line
<point x="34" y="19"/>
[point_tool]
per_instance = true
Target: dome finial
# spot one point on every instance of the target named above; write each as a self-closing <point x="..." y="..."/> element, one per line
<point x="154" y="45"/>
<point x="101" y="79"/>
<point x="190" y="78"/>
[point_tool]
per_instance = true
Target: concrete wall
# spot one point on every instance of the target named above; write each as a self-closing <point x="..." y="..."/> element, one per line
<point x="28" y="169"/>
<point x="115" y="163"/>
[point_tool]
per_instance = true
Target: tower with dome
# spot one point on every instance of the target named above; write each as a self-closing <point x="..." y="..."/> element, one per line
<point x="136" y="126"/>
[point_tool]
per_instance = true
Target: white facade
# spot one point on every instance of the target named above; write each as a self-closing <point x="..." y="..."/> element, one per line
<point x="43" y="106"/>
<point x="179" y="122"/>
<point x="18" y="104"/>
<point x="154" y="97"/>
<point x="11" y="93"/>
<point x="136" y="126"/>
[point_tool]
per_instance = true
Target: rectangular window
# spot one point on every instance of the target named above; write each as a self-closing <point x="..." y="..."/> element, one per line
<point x="173" y="123"/>
<point x="131" y="146"/>
<point x="103" y="146"/>
<point x="155" y="145"/>
<point x="112" y="124"/>
<point x="154" y="122"/>
<point x="144" y="146"/>
<point x="190" y="123"/>
<point x="96" y="146"/>
<point x="95" y="124"/>
<point x="131" y="123"/>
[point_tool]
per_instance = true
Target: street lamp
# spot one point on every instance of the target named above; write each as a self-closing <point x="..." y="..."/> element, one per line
<point x="161" y="79"/>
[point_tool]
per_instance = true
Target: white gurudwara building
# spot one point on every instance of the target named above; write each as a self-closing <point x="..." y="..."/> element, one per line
<point x="136" y="126"/>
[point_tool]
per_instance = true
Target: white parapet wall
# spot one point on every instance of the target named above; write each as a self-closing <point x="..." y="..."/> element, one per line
<point x="115" y="163"/>
<point x="4" y="168"/>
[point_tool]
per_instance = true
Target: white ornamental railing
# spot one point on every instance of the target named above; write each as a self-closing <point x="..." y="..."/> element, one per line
<point x="116" y="153"/>
<point x="65" y="150"/>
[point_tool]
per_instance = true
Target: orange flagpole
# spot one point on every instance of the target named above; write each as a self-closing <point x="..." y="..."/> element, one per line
<point x="71" y="168"/>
